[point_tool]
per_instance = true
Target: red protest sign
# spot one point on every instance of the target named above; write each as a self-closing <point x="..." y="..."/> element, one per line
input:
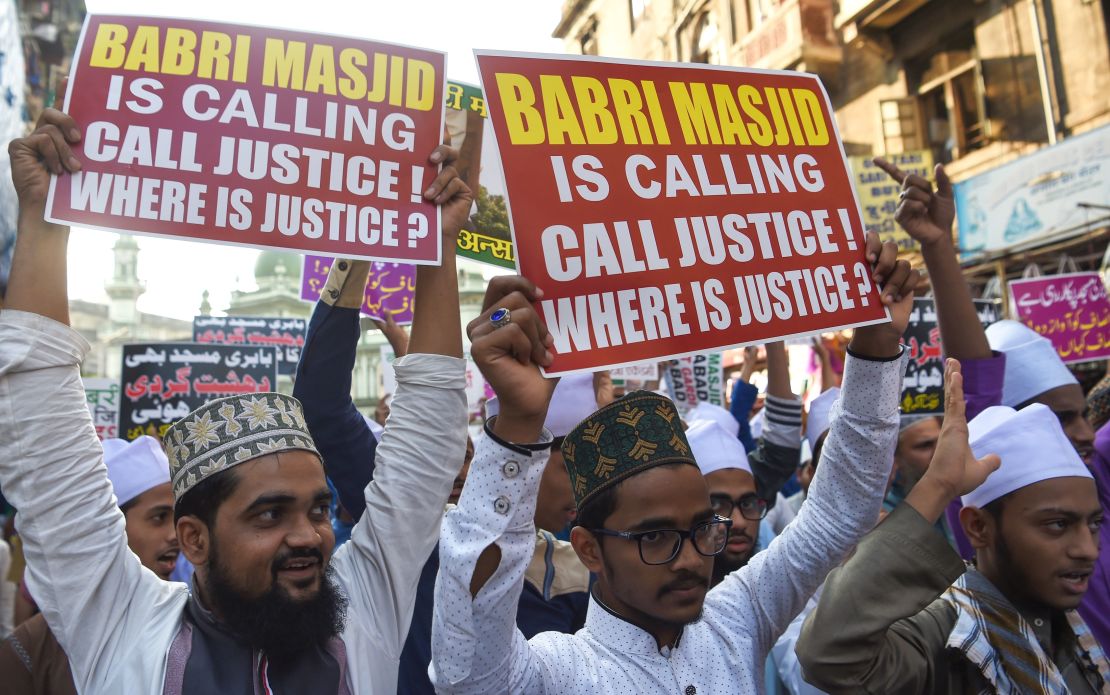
<point x="261" y="137"/>
<point x="669" y="209"/>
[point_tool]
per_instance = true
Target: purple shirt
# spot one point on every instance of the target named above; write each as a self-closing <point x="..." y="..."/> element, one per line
<point x="982" y="388"/>
<point x="1095" y="608"/>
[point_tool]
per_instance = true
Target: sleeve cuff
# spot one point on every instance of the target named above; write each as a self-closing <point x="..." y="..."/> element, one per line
<point x="33" y="341"/>
<point x="872" y="388"/>
<point x="868" y="358"/>
<point x="523" y="449"/>
<point x="438" y="371"/>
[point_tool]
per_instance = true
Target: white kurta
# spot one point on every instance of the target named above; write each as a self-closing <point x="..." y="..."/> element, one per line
<point x="116" y="619"/>
<point x="476" y="647"/>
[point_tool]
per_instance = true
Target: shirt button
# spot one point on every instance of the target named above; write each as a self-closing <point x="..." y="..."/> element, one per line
<point x="501" y="505"/>
<point x="510" y="469"/>
<point x="691" y="690"/>
<point x="1038" y="622"/>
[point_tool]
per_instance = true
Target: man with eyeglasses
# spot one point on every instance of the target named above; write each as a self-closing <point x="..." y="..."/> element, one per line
<point x="646" y="527"/>
<point x="732" y="493"/>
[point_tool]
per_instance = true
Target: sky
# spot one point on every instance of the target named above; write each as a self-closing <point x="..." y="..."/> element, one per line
<point x="177" y="272"/>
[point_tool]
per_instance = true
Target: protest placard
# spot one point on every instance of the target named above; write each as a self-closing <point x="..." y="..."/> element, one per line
<point x="485" y="237"/>
<point x="638" y="371"/>
<point x="391" y="288"/>
<point x="670" y="209"/>
<point x="694" y="379"/>
<point x="878" y="193"/>
<point x="286" y="335"/>
<point x="923" y="385"/>
<point x="255" y="136"/>
<point x="163" y="382"/>
<point x="103" y="398"/>
<point x="1071" y="310"/>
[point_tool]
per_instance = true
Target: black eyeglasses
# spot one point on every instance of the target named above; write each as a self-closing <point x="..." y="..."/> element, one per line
<point x="661" y="546"/>
<point x="752" y="506"/>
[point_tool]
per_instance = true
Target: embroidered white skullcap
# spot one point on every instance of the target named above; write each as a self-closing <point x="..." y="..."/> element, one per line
<point x="818" y="419"/>
<point x="707" y="412"/>
<point x="135" y="467"/>
<point x="755" y="425"/>
<point x="573" y="401"/>
<point x="715" y="449"/>
<point x="1032" y="365"/>
<point x="1031" y="444"/>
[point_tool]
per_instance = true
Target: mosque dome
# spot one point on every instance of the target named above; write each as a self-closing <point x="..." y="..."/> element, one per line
<point x="269" y="262"/>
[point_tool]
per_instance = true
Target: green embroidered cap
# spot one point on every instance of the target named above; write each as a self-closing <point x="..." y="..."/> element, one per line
<point x="630" y="435"/>
<point x="228" y="431"/>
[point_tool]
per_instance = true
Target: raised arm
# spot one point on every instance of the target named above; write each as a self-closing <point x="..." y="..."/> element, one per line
<point x="489" y="539"/>
<point x="420" y="453"/>
<point x="51" y="464"/>
<point x="878" y="627"/>
<point x="761" y="599"/>
<point x="779" y="449"/>
<point x="743" y="399"/>
<point x="323" y="384"/>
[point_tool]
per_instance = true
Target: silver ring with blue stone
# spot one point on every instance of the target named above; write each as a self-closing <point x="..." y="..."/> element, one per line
<point x="500" y="318"/>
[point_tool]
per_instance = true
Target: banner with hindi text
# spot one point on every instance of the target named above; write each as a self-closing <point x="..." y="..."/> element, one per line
<point x="485" y="237"/>
<point x="668" y="209"/>
<point x="103" y="398"/>
<point x="254" y="136"/>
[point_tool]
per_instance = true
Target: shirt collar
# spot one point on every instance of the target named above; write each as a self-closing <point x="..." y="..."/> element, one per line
<point x="616" y="633"/>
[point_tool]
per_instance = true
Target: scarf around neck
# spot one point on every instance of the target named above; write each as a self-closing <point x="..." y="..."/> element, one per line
<point x="994" y="636"/>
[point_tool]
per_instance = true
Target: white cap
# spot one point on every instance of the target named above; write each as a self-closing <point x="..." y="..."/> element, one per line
<point x="1031" y="444"/>
<point x="755" y="425"/>
<point x="573" y="401"/>
<point x="715" y="449"/>
<point x="1032" y="365"/>
<point x="707" y="412"/>
<point x="135" y="467"/>
<point x="818" y="419"/>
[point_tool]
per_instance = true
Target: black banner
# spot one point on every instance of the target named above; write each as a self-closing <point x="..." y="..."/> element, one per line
<point x="163" y="382"/>
<point x="286" y="335"/>
<point x="923" y="387"/>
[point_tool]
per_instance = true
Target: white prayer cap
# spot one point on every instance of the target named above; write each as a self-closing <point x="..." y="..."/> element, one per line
<point x="818" y="419"/>
<point x="707" y="412"/>
<point x="755" y="425"/>
<point x="1031" y="444"/>
<point x="1032" y="365"/>
<point x="715" y="449"/>
<point x="135" y="467"/>
<point x="573" y="401"/>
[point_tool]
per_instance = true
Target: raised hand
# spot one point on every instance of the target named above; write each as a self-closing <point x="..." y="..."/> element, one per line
<point x="954" y="470"/>
<point x="926" y="215"/>
<point x="44" y="152"/>
<point x="898" y="282"/>
<point x="954" y="466"/>
<point x="397" y="336"/>
<point x="510" y="356"/>
<point x="450" y="192"/>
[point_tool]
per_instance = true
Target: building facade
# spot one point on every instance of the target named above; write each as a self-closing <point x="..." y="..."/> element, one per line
<point x="979" y="83"/>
